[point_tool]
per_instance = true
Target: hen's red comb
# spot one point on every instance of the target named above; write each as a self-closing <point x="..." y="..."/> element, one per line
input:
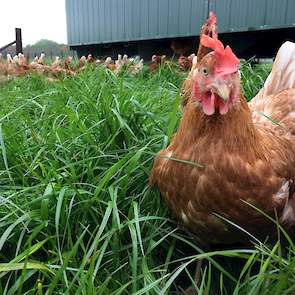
<point x="226" y="61"/>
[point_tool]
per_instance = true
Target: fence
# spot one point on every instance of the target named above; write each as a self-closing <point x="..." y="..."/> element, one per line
<point x="16" y="47"/>
<point x="18" y="42"/>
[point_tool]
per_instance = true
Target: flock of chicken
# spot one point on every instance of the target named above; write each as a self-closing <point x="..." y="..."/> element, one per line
<point x="20" y="66"/>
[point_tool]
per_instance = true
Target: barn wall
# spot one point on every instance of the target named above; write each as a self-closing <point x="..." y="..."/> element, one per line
<point x="109" y="21"/>
<point x="253" y="15"/>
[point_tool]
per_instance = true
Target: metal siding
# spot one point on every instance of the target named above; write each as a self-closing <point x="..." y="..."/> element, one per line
<point x="72" y="23"/>
<point x="128" y="19"/>
<point x="290" y="14"/>
<point x="238" y="14"/>
<point x="256" y="12"/>
<point x="101" y="4"/>
<point x="136" y="18"/>
<point x="75" y="21"/>
<point x="121" y="22"/>
<point x="153" y="17"/>
<point x="96" y="31"/>
<point x="144" y="18"/>
<point x="184" y="17"/>
<point x="108" y="19"/>
<point x="223" y="14"/>
<point x="276" y="12"/>
<point x="71" y="29"/>
<point x="212" y="6"/>
<point x="114" y="19"/>
<point x="163" y="17"/>
<point x="173" y="26"/>
<point x="198" y="15"/>
<point x="86" y="20"/>
<point x="80" y="24"/>
<point x="68" y="18"/>
<point x="84" y="32"/>
<point x="102" y="21"/>
<point x="91" y="20"/>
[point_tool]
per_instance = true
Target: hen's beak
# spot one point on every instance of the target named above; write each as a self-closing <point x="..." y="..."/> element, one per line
<point x="222" y="90"/>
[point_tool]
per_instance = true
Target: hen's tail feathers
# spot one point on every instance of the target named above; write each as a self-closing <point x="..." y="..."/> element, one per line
<point x="282" y="75"/>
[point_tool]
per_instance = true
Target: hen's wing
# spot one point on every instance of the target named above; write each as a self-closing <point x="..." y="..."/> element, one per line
<point x="274" y="105"/>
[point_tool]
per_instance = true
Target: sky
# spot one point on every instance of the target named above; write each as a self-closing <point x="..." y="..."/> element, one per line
<point x="38" y="19"/>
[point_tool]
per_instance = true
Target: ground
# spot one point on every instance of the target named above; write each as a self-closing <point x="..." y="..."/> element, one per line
<point x="77" y="215"/>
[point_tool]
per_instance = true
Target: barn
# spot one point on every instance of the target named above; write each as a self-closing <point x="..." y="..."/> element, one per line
<point x="146" y="27"/>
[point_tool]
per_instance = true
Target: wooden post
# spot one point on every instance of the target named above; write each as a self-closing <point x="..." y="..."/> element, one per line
<point x="18" y="40"/>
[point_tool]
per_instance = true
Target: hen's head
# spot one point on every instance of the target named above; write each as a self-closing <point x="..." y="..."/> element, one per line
<point x="216" y="85"/>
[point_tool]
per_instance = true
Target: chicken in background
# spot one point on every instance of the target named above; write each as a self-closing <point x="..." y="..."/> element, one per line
<point x="123" y="63"/>
<point x="125" y="60"/>
<point x="19" y="66"/>
<point x="10" y="67"/>
<point x="132" y="66"/>
<point x="82" y="63"/>
<point x="38" y="66"/>
<point x="119" y="65"/>
<point x="15" y="66"/>
<point x="35" y="60"/>
<point x="136" y="67"/>
<point x="227" y="152"/>
<point x="68" y="63"/>
<point x="40" y="60"/>
<point x="90" y="58"/>
<point x="35" y="65"/>
<point x="68" y="66"/>
<point x="15" y="59"/>
<point x="56" y="63"/>
<point x="109" y="64"/>
<point x="23" y="63"/>
<point x="56" y="68"/>
<point x="157" y="62"/>
<point x="185" y="63"/>
<point x="98" y="62"/>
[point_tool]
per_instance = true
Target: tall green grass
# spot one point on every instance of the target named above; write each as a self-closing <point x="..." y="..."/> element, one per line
<point x="76" y="214"/>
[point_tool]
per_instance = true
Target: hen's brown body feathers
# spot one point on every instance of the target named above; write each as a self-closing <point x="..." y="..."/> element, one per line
<point x="237" y="162"/>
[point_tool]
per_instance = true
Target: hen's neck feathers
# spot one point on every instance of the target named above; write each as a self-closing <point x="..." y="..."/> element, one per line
<point x="235" y="130"/>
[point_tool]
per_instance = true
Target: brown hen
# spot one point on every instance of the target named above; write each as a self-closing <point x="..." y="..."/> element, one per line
<point x="227" y="153"/>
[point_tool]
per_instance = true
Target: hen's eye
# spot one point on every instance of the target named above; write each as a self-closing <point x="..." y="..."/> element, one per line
<point x="205" y="71"/>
